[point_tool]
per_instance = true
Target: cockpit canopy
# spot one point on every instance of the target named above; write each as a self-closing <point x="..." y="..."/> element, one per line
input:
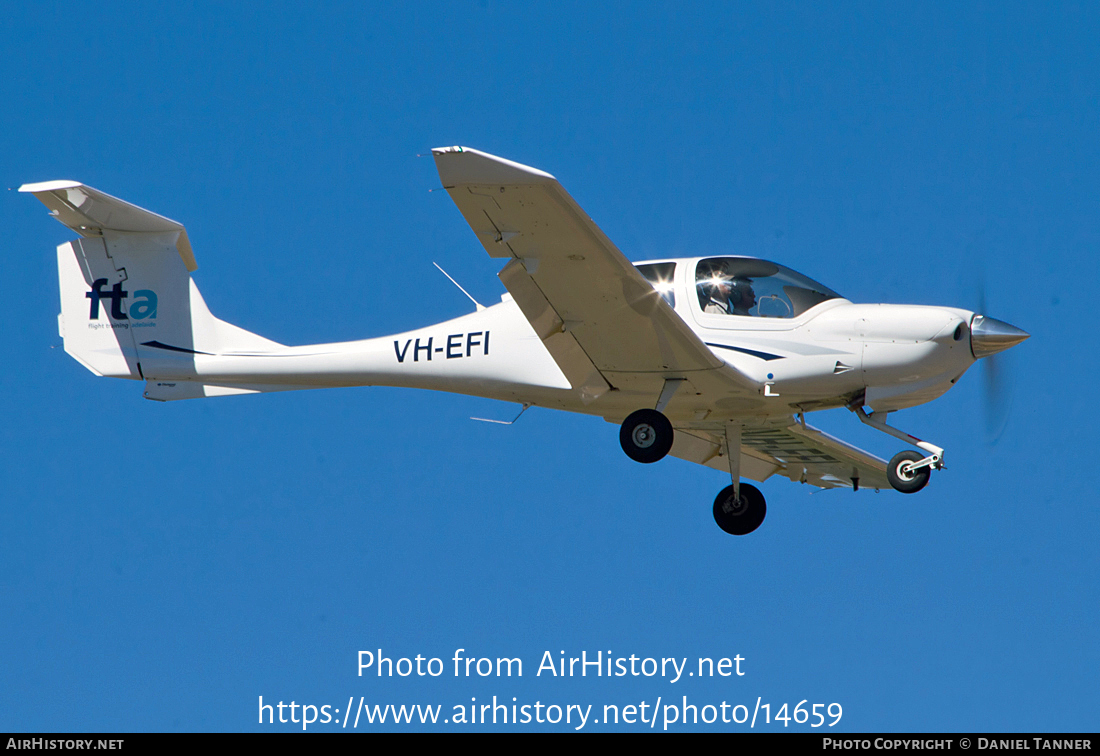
<point x="747" y="286"/>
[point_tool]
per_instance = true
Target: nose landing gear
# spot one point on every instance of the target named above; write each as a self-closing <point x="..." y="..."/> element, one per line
<point x="908" y="471"/>
<point x="905" y="475"/>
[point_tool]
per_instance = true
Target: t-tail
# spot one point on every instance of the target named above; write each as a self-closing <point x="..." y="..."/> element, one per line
<point x="129" y="307"/>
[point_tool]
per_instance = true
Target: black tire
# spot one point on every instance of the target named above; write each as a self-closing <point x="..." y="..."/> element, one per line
<point x="743" y="516"/>
<point x="902" y="480"/>
<point x="646" y="436"/>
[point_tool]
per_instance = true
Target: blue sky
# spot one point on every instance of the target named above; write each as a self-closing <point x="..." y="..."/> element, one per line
<point x="164" y="565"/>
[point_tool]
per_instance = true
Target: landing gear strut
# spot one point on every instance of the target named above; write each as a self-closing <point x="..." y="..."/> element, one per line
<point x="739" y="509"/>
<point x="908" y="471"/>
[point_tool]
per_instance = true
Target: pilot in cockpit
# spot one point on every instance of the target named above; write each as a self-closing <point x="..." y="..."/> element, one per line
<point x="742" y="298"/>
<point x="727" y="295"/>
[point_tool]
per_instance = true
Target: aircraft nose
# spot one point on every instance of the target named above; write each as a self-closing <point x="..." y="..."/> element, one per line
<point x="989" y="336"/>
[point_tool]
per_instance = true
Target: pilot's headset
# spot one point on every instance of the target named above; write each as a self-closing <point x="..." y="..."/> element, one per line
<point x="737" y="291"/>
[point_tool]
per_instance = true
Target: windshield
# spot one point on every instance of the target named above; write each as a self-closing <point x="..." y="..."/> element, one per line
<point x="747" y="286"/>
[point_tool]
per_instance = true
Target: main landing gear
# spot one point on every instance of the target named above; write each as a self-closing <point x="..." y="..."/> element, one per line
<point x="647" y="435"/>
<point x="908" y="471"/>
<point x="739" y="509"/>
<point x="740" y="513"/>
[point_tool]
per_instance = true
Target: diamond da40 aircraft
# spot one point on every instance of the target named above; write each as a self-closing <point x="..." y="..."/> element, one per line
<point x="714" y="360"/>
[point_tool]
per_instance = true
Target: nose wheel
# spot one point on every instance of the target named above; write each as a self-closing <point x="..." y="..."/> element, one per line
<point x="646" y="436"/>
<point x="740" y="515"/>
<point x="908" y="471"/>
<point x="905" y="474"/>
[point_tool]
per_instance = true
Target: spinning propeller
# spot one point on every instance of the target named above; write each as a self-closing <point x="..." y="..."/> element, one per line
<point x="988" y="337"/>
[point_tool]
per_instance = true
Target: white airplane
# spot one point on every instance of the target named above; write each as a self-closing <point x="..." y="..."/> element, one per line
<point x="714" y="360"/>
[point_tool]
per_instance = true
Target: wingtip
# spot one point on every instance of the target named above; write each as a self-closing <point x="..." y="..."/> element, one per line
<point x="49" y="186"/>
<point x="463" y="165"/>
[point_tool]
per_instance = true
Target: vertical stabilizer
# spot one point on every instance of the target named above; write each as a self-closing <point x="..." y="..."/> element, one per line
<point x="129" y="307"/>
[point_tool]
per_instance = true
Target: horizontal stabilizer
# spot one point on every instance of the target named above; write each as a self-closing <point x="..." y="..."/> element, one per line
<point x="90" y="212"/>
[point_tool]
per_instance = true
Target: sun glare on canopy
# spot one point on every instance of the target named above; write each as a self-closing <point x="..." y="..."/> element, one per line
<point x="748" y="286"/>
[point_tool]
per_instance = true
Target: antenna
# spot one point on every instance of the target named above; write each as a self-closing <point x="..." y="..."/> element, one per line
<point x="526" y="406"/>
<point x="479" y="306"/>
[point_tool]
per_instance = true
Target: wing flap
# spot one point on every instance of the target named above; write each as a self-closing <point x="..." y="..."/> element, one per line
<point x="707" y="449"/>
<point x="567" y="353"/>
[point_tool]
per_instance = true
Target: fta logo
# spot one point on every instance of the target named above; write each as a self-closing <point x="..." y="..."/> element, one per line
<point x="141" y="309"/>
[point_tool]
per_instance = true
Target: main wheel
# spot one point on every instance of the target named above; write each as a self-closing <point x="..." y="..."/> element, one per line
<point x="742" y="515"/>
<point x="646" y="435"/>
<point x="902" y="478"/>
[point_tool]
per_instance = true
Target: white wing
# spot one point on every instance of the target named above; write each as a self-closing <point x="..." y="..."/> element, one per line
<point x="603" y="323"/>
<point x="799" y="452"/>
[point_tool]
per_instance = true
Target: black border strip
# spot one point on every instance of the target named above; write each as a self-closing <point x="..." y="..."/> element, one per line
<point x="171" y="348"/>
<point x="761" y="355"/>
